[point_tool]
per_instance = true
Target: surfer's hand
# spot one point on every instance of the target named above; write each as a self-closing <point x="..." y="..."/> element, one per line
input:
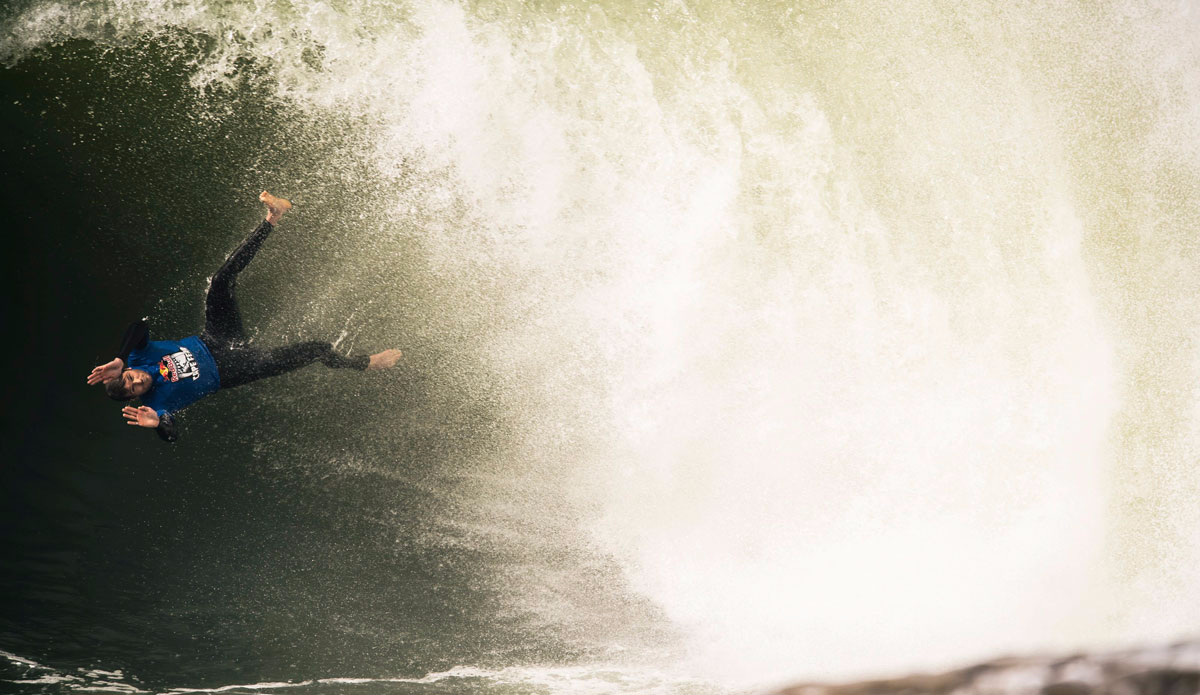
<point x="142" y="417"/>
<point x="106" y="372"/>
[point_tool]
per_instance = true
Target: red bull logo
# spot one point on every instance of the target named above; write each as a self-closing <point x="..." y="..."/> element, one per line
<point x="180" y="365"/>
<point x="168" y="370"/>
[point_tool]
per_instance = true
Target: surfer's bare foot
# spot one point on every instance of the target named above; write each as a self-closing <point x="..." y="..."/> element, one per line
<point x="275" y="206"/>
<point x="384" y="360"/>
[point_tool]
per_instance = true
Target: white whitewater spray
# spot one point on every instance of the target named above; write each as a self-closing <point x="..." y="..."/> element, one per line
<point x="811" y="319"/>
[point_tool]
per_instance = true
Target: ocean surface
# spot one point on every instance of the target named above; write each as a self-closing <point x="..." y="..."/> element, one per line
<point x="746" y="343"/>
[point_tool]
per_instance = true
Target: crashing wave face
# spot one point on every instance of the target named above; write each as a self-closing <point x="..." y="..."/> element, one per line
<point x="778" y="340"/>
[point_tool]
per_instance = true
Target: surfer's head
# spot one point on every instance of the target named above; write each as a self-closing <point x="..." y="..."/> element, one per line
<point x="131" y="384"/>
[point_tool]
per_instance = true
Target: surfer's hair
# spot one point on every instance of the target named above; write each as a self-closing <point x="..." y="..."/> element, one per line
<point x="116" y="390"/>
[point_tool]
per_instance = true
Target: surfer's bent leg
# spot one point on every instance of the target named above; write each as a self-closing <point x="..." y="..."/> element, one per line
<point x="222" y="319"/>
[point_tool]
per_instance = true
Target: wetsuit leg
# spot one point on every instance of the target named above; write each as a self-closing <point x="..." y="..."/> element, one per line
<point x="222" y="319"/>
<point x="241" y="366"/>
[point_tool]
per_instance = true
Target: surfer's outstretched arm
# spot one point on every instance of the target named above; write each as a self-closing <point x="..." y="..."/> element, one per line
<point x="134" y="339"/>
<point x="145" y="416"/>
<point x="166" y="428"/>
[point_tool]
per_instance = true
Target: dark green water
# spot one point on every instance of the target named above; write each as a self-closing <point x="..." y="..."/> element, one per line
<point x="233" y="556"/>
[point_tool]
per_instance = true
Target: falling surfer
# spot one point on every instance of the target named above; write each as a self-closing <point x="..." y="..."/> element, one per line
<point x="169" y="375"/>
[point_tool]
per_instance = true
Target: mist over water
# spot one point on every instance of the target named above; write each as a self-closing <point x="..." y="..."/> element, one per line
<point x="755" y="342"/>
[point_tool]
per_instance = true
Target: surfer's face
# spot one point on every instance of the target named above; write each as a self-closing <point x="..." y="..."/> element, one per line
<point x="135" y="381"/>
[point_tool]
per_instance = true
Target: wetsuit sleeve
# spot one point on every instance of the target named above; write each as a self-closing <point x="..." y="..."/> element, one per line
<point x="167" y="430"/>
<point x="135" y="338"/>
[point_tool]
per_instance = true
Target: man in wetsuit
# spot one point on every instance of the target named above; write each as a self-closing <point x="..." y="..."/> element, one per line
<point x="169" y="375"/>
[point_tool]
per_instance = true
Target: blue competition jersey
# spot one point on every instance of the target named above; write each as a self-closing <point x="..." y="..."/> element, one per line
<point x="183" y="372"/>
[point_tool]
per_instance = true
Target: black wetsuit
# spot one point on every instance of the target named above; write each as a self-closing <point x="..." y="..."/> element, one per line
<point x="237" y="362"/>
